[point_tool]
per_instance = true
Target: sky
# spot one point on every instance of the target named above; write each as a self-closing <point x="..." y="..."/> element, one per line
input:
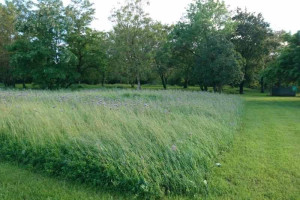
<point x="281" y="14"/>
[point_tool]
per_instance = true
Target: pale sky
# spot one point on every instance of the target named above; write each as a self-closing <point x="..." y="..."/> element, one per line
<point x="281" y="14"/>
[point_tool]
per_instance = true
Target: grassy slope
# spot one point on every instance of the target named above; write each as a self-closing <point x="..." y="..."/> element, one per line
<point x="264" y="162"/>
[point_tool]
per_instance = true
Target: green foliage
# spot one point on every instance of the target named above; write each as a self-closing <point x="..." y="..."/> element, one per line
<point x="52" y="46"/>
<point x="79" y="15"/>
<point x="181" y="51"/>
<point x="132" y="39"/>
<point x="96" y="60"/>
<point x="149" y="143"/>
<point x="7" y="32"/>
<point x="41" y="51"/>
<point x="202" y="43"/>
<point x="219" y="63"/>
<point x="162" y="52"/>
<point x="285" y="69"/>
<point x="251" y="41"/>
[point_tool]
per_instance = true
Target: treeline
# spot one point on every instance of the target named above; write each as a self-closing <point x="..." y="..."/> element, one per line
<point x="52" y="46"/>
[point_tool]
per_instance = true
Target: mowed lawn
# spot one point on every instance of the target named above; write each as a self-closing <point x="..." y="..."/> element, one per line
<point x="17" y="183"/>
<point x="263" y="163"/>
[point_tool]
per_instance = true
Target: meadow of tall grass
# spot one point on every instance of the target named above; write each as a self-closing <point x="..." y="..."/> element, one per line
<point x="145" y="142"/>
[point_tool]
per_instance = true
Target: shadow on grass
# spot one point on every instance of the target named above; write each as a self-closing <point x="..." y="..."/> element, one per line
<point x="31" y="181"/>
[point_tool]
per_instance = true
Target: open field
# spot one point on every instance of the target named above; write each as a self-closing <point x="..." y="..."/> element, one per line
<point x="262" y="163"/>
<point x="142" y="106"/>
<point x="147" y="143"/>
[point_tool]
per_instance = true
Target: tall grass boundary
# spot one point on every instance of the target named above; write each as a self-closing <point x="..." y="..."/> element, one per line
<point x="151" y="143"/>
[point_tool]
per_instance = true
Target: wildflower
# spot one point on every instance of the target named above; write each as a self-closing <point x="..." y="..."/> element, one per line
<point x="205" y="182"/>
<point x="218" y="164"/>
<point x="174" y="147"/>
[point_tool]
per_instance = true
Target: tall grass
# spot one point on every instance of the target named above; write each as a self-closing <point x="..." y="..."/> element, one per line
<point x="148" y="142"/>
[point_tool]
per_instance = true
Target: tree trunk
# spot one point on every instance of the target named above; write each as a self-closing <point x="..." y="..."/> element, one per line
<point x="220" y="88"/>
<point x="103" y="80"/>
<point x="262" y="84"/>
<point x="185" y="86"/>
<point x="24" y="85"/>
<point x="164" y="82"/>
<point x="138" y="82"/>
<point x="79" y="67"/>
<point x="201" y="87"/>
<point x="242" y="87"/>
<point x="9" y="82"/>
<point x="205" y="88"/>
<point x="215" y="88"/>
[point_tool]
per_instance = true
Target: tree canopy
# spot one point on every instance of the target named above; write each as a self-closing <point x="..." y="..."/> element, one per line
<point x="52" y="45"/>
<point x="285" y="69"/>
<point x="250" y="38"/>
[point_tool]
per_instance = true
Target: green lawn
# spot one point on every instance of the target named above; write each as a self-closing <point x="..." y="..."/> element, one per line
<point x="17" y="183"/>
<point x="263" y="163"/>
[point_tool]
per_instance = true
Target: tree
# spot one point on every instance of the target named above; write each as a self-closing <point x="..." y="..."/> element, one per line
<point x="96" y="60"/>
<point x="285" y="69"/>
<point x="250" y="39"/>
<point x="219" y="63"/>
<point x="23" y="55"/>
<point x="52" y="45"/>
<point x="79" y="15"/>
<point x="7" y="37"/>
<point x="204" y="41"/>
<point x="42" y="46"/>
<point x="20" y="59"/>
<point x="274" y="44"/>
<point x="182" y="50"/>
<point x="163" y="61"/>
<point x="132" y="39"/>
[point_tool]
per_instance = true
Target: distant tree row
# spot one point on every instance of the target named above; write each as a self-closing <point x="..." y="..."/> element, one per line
<point x="52" y="46"/>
